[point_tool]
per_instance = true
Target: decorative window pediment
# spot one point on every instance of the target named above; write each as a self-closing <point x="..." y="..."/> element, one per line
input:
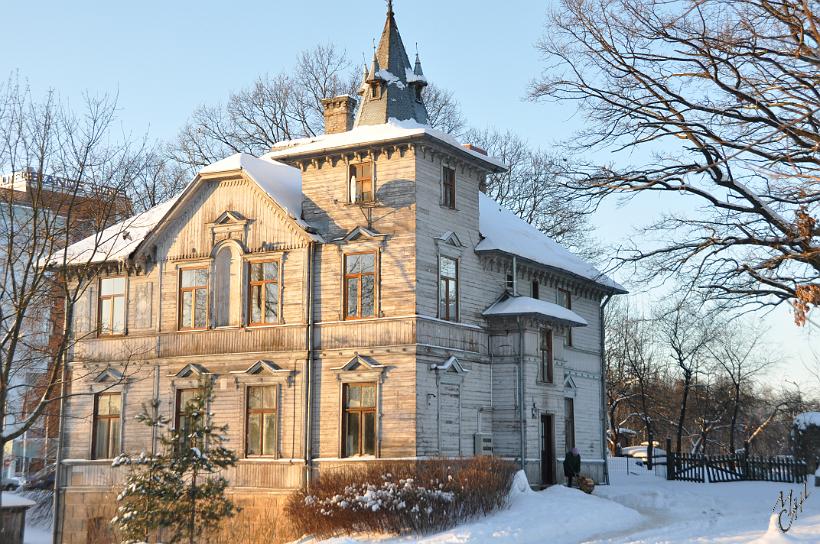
<point x="450" y="365"/>
<point x="263" y="371"/>
<point x="359" y="368"/>
<point x="230" y="225"/>
<point x="109" y="376"/>
<point x="228" y="217"/>
<point x="361" y="234"/>
<point x="192" y="370"/>
<point x="569" y="386"/>
<point x="449" y="238"/>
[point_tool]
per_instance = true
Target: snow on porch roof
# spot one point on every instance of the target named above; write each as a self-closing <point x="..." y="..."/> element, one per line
<point x="512" y="306"/>
<point x="504" y="231"/>
<point x="393" y="130"/>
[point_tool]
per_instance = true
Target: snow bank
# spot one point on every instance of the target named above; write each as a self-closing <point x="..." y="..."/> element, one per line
<point x="774" y="535"/>
<point x="558" y="515"/>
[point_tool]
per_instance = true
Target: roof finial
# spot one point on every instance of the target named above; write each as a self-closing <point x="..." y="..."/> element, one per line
<point x="390" y="7"/>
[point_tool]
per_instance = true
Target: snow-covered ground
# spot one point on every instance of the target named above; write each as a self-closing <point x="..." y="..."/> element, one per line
<point x="638" y="507"/>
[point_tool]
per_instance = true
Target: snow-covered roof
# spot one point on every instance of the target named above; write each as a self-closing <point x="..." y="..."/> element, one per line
<point x="520" y="305"/>
<point x="807" y="419"/>
<point x="117" y="242"/>
<point x="393" y="130"/>
<point x="281" y="182"/>
<point x="504" y="231"/>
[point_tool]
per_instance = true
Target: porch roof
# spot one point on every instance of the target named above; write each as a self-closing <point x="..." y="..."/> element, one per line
<point x="519" y="305"/>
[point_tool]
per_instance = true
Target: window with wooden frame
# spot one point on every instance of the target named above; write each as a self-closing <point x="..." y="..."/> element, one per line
<point x="263" y="293"/>
<point x="361" y="182"/>
<point x="260" y="421"/>
<point x="569" y="423"/>
<point x="547" y="358"/>
<point x="536" y="290"/>
<point x="112" y="306"/>
<point x="359" y="419"/>
<point x="106" y="432"/>
<point x="448" y="187"/>
<point x="193" y="299"/>
<point x="448" y="288"/>
<point x="565" y="300"/>
<point x="184" y="417"/>
<point x="360" y="285"/>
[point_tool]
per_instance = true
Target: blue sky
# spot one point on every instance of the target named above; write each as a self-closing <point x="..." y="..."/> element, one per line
<point x="166" y="58"/>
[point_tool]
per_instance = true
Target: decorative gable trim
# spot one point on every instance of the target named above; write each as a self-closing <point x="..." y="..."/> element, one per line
<point x="450" y="365"/>
<point x="230" y="225"/>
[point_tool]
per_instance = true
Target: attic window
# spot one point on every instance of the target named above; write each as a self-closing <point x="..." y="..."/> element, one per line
<point x="375" y="91"/>
<point x="361" y="182"/>
<point x="418" y="93"/>
<point x="448" y="188"/>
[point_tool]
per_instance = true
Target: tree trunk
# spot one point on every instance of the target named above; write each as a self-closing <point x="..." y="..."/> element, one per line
<point x="733" y="424"/>
<point x="687" y="379"/>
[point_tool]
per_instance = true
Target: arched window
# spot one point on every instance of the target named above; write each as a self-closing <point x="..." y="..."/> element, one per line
<point x="227" y="287"/>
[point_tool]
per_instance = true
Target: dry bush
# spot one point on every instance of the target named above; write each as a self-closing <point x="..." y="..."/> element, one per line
<point x="415" y="497"/>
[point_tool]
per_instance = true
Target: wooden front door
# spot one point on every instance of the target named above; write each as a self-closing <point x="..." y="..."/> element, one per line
<point x="547" y="449"/>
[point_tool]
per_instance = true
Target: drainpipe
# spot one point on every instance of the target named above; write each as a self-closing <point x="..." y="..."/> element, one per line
<point x="603" y="389"/>
<point x="308" y="431"/>
<point x="523" y="420"/>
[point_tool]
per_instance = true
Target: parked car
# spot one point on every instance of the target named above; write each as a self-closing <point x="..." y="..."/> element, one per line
<point x="9" y="483"/>
<point x="42" y="479"/>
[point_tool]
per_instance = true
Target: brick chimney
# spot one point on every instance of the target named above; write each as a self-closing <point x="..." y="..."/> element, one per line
<point x="339" y="113"/>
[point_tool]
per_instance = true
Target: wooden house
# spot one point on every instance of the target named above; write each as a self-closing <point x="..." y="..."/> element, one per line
<point x="353" y="296"/>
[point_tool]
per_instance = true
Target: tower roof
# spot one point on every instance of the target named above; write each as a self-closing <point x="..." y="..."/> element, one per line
<point x="397" y="97"/>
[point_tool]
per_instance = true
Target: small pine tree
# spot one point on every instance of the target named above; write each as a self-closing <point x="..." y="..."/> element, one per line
<point x="178" y="490"/>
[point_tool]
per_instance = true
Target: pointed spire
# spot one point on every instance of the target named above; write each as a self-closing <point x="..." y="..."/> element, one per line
<point x="400" y="97"/>
<point x="375" y="68"/>
<point x="417" y="70"/>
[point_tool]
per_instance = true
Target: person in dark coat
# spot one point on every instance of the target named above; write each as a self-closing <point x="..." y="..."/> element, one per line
<point x="572" y="465"/>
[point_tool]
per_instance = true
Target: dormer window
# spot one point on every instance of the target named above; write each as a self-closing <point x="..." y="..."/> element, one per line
<point x="375" y="90"/>
<point x="418" y="93"/>
<point x="361" y="182"/>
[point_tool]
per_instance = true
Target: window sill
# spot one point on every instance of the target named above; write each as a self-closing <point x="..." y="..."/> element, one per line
<point x="546" y="384"/>
<point x="446" y="207"/>
<point x="261" y="326"/>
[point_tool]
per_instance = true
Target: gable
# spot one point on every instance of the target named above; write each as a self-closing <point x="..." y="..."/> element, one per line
<point x="232" y="207"/>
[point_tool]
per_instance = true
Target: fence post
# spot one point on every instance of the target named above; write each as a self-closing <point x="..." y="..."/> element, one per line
<point x="670" y="473"/>
<point x="746" y="475"/>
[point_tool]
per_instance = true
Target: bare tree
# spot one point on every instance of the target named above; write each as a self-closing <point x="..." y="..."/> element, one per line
<point x="443" y="110"/>
<point x="742" y="356"/>
<point x="717" y="101"/>
<point x="531" y="189"/>
<point x="685" y="330"/>
<point x="156" y="179"/>
<point x="273" y="109"/>
<point x="67" y="180"/>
